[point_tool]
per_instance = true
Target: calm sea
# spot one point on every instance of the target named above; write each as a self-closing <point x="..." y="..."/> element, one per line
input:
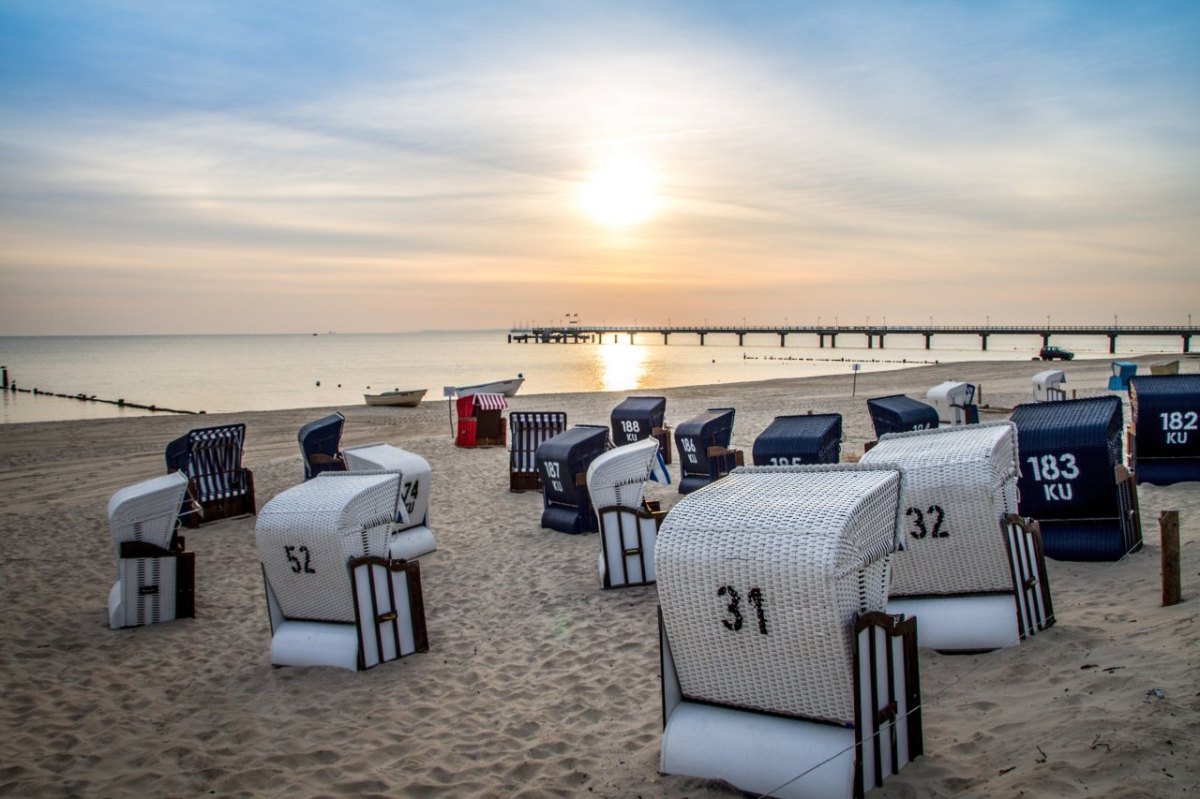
<point x="269" y="372"/>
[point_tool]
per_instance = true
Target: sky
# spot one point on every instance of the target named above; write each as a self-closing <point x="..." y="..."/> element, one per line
<point x="247" y="167"/>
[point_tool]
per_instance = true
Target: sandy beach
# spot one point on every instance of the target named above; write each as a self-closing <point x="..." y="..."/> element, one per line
<point x="537" y="683"/>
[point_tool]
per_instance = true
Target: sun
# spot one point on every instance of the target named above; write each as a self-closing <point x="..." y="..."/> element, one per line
<point x="623" y="191"/>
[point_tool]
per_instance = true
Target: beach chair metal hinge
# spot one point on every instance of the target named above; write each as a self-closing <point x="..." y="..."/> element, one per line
<point x="389" y="616"/>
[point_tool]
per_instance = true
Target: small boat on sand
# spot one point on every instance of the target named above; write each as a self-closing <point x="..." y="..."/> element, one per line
<point x="404" y="399"/>
<point x="508" y="388"/>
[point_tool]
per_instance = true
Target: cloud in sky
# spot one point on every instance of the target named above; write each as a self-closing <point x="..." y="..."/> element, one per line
<point x="247" y="167"/>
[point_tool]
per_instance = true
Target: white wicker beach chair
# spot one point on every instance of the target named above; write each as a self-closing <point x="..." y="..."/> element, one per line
<point x="954" y="402"/>
<point x="781" y="673"/>
<point x="1047" y="386"/>
<point x="334" y="597"/>
<point x="411" y="537"/>
<point x="616" y="481"/>
<point x="155" y="577"/>
<point x="957" y="575"/>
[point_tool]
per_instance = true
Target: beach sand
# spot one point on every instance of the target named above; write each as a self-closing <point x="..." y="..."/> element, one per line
<point x="537" y="683"/>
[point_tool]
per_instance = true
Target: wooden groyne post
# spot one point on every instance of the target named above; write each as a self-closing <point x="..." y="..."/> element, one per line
<point x="1168" y="527"/>
<point x="4" y="369"/>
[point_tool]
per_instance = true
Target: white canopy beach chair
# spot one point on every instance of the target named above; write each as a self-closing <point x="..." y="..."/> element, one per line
<point x="782" y="675"/>
<point x="616" y="481"/>
<point x="974" y="579"/>
<point x="411" y="537"/>
<point x="333" y="595"/>
<point x="1047" y="386"/>
<point x="155" y="577"/>
<point x="954" y="402"/>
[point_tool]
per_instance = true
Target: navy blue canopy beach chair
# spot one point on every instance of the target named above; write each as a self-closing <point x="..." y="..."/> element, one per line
<point x="899" y="413"/>
<point x="321" y="445"/>
<point x="800" y="441"/>
<point x="1073" y="480"/>
<point x="211" y="457"/>
<point x="704" y="453"/>
<point x="636" y="418"/>
<point x="1164" y="437"/>
<point x="562" y="464"/>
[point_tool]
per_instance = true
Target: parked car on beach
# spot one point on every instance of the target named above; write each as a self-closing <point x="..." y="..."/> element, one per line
<point x="1055" y="353"/>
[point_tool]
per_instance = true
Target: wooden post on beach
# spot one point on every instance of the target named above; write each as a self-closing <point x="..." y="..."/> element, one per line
<point x="5" y="370"/>
<point x="1168" y="526"/>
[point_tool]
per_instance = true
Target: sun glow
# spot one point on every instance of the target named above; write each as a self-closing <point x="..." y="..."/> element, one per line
<point x="622" y="366"/>
<point x="623" y="191"/>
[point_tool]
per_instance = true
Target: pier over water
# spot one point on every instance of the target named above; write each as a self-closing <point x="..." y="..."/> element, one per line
<point x="575" y="332"/>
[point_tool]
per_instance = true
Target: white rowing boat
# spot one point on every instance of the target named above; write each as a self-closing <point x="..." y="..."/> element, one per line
<point x="405" y="399"/>
<point x="508" y="388"/>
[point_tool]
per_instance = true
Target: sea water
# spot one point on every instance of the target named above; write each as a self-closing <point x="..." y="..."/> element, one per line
<point x="267" y="372"/>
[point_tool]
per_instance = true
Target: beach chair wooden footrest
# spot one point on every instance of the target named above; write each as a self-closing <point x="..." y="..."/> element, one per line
<point x="389" y="609"/>
<point x="627" y="538"/>
<point x="153" y="585"/>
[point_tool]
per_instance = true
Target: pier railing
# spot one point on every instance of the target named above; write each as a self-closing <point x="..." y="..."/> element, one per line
<point x="579" y="333"/>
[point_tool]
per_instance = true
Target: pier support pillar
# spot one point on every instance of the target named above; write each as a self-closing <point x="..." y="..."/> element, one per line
<point x="631" y="338"/>
<point x="1187" y="343"/>
<point x="1045" y="339"/>
<point x="4" y="369"/>
<point x="881" y="341"/>
<point x="701" y="338"/>
<point x="1112" y="343"/>
<point x="928" y="340"/>
<point x="741" y="339"/>
<point x="983" y="337"/>
<point x="870" y="342"/>
<point x="821" y="336"/>
<point x="783" y="339"/>
<point x="833" y="340"/>
<point x="666" y="337"/>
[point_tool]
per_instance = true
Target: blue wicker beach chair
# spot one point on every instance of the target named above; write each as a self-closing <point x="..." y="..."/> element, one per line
<point x="704" y="453"/>
<point x="1073" y="479"/>
<point x="636" y="418"/>
<point x="563" y="462"/>
<point x="800" y="441"/>
<point x="155" y="577"/>
<point x="782" y="673"/>
<point x="898" y="413"/>
<point x="218" y="484"/>
<point x="334" y="597"/>
<point x="528" y="429"/>
<point x="1122" y="372"/>
<point x="973" y="574"/>
<point x="321" y="445"/>
<point x="1164" y="437"/>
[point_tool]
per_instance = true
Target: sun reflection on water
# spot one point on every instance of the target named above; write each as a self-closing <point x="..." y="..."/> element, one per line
<point x="622" y="366"/>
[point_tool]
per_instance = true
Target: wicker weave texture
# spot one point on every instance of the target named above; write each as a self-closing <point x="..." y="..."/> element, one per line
<point x="761" y="576"/>
<point x="147" y="511"/>
<point x="415" y="482"/>
<point x="618" y="477"/>
<point x="306" y="535"/>
<point x="1165" y="411"/>
<point x="961" y="481"/>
